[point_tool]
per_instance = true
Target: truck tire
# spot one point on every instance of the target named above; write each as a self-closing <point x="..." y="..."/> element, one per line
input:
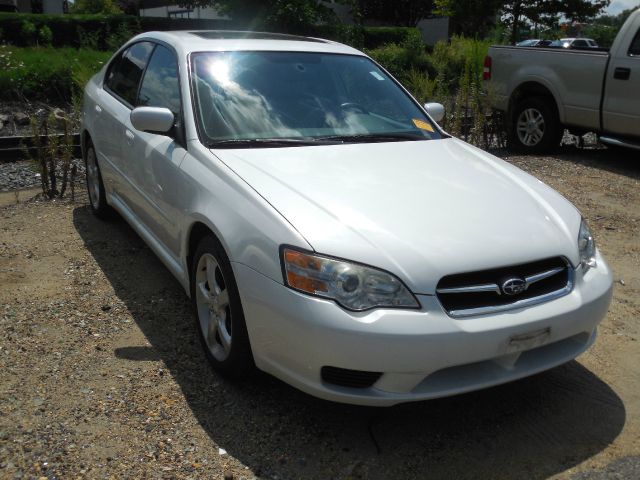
<point x="535" y="126"/>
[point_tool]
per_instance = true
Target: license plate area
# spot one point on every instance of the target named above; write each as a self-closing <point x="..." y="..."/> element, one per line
<point x="529" y="340"/>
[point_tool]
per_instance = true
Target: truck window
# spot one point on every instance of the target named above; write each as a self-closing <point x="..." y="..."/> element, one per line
<point x="634" y="49"/>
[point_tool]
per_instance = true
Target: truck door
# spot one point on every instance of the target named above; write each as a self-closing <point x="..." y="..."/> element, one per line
<point x="621" y="107"/>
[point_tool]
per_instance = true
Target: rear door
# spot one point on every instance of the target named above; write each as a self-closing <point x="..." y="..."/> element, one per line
<point x="621" y="106"/>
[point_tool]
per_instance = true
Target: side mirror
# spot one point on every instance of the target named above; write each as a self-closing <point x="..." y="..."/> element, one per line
<point x="152" y="119"/>
<point x="435" y="111"/>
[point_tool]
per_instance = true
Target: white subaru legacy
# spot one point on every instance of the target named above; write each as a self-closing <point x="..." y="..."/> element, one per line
<point x="327" y="230"/>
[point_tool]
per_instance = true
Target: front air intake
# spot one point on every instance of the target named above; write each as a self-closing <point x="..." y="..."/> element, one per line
<point x="349" y="378"/>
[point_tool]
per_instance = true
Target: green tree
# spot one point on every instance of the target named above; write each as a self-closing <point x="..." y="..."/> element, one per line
<point x="105" y="7"/>
<point x="475" y="17"/>
<point x="547" y="12"/>
<point x="290" y="15"/>
<point x="395" y="12"/>
<point x="470" y="17"/>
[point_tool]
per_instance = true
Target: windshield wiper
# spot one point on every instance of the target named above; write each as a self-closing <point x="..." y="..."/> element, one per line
<point x="268" y="142"/>
<point x="376" y="137"/>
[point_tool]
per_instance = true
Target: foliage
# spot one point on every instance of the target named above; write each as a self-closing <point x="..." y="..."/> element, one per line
<point x="477" y="16"/>
<point x="29" y="32"/>
<point x="603" y="29"/>
<point x="259" y="14"/>
<point x="95" y="31"/>
<point x="45" y="73"/>
<point x="395" y="12"/>
<point x="547" y="12"/>
<point x="103" y="7"/>
<point x="45" y="36"/>
<point x="53" y="155"/>
<point x="615" y="21"/>
<point x="375" y="37"/>
<point x="604" y="35"/>
<point x="401" y="59"/>
<point x="457" y="84"/>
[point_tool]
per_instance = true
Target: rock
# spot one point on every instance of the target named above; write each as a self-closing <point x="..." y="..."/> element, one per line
<point x="4" y="119"/>
<point x="21" y="118"/>
<point x="59" y="116"/>
<point x="228" y="476"/>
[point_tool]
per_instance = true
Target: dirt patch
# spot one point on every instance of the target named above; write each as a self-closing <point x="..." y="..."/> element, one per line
<point x="101" y="373"/>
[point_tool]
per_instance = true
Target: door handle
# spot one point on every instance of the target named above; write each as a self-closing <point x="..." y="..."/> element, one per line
<point x="130" y="136"/>
<point x="98" y="109"/>
<point x="621" y="73"/>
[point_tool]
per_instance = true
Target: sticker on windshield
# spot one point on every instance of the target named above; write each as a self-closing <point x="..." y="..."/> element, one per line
<point x="376" y="75"/>
<point x="422" y="125"/>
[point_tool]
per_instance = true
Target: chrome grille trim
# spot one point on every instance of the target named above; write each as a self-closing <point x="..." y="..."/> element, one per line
<point x="541" y="276"/>
<point x="492" y="287"/>
<point x="523" y="303"/>
<point x="488" y="287"/>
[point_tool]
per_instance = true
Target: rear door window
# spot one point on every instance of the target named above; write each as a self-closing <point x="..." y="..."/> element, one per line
<point x="124" y="74"/>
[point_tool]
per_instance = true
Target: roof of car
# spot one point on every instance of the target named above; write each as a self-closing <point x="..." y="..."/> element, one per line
<point x="187" y="41"/>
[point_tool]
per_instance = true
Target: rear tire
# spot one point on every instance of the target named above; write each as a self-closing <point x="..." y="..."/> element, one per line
<point x="535" y="126"/>
<point x="219" y="316"/>
<point x="95" y="185"/>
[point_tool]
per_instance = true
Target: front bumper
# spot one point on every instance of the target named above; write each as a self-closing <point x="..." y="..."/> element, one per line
<point x="423" y="353"/>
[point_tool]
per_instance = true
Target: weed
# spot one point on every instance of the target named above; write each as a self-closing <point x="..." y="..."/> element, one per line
<point x="52" y="155"/>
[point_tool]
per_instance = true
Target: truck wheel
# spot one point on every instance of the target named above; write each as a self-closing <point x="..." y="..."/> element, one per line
<point x="535" y="126"/>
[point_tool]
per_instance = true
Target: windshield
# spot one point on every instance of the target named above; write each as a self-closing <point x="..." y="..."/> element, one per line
<point x="293" y="98"/>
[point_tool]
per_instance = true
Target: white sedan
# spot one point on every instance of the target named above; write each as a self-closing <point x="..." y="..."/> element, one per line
<point x="326" y="229"/>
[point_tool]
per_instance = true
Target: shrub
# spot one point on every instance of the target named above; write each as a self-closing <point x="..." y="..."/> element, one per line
<point x="72" y="30"/>
<point x="44" y="36"/>
<point x="375" y="37"/>
<point x="401" y="59"/>
<point x="28" y="32"/>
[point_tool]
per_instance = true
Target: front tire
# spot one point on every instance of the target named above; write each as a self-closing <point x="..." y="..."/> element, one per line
<point x="219" y="316"/>
<point x="535" y="126"/>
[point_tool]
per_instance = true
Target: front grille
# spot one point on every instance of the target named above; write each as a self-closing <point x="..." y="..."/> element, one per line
<point x="349" y="378"/>
<point x="487" y="291"/>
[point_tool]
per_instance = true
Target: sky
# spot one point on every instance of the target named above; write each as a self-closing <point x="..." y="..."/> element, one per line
<point x="616" y="6"/>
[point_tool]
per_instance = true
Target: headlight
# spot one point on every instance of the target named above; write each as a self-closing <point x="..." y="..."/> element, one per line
<point x="354" y="286"/>
<point x="586" y="246"/>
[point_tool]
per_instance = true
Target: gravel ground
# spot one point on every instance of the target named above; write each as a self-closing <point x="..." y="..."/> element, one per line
<point x="102" y="376"/>
<point x="24" y="174"/>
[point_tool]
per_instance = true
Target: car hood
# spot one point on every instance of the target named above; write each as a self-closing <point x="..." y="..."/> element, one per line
<point x="420" y="210"/>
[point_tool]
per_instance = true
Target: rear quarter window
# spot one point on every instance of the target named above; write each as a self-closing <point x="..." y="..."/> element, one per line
<point x="634" y="48"/>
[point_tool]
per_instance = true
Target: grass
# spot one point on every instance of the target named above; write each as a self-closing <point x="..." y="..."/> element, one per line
<point x="47" y="74"/>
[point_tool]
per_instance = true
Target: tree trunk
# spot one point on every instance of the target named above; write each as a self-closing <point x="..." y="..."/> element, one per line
<point x="516" y="22"/>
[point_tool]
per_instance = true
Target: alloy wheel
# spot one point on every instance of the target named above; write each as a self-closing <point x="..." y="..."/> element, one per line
<point x="93" y="179"/>
<point x="212" y="301"/>
<point x="530" y="127"/>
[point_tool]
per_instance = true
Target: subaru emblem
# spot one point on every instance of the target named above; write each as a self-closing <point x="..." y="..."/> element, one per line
<point x="513" y="286"/>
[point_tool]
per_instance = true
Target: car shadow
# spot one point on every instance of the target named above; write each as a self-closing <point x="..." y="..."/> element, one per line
<point x="533" y="428"/>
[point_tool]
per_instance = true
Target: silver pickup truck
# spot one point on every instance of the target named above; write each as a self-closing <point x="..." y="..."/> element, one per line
<point x="544" y="90"/>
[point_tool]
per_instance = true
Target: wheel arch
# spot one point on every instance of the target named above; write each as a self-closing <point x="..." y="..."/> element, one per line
<point x="531" y="89"/>
<point x="197" y="230"/>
